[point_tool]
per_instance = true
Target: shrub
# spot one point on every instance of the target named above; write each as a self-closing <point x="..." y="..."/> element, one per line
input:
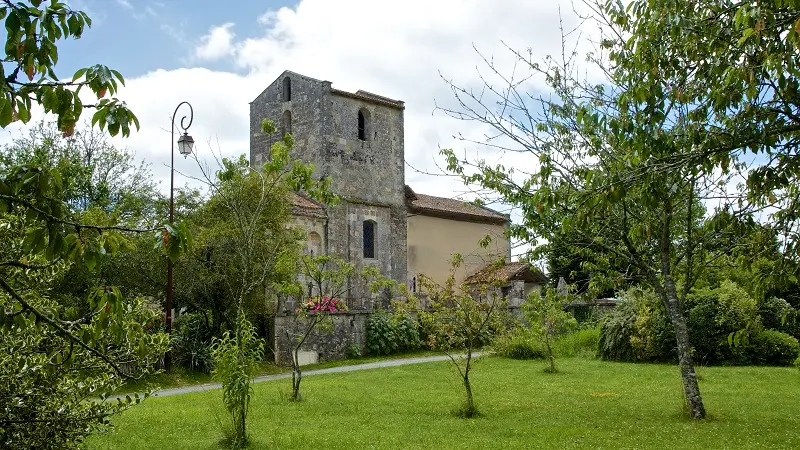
<point x="704" y="333"/>
<point x="236" y="358"/>
<point x="191" y="343"/>
<point x="772" y="347"/>
<point x="713" y="314"/>
<point x="737" y="309"/>
<point x="583" y="343"/>
<point x="389" y="333"/>
<point x="519" y="343"/>
<point x="778" y="314"/>
<point x="637" y="330"/>
<point x="353" y="351"/>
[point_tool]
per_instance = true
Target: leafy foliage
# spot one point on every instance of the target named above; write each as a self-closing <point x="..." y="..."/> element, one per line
<point x="53" y="390"/>
<point x="519" y="343"/>
<point x="191" y="342"/>
<point x="57" y="348"/>
<point x="772" y="347"/>
<point x="547" y="318"/>
<point x="637" y="330"/>
<point x="582" y="343"/>
<point x="236" y="360"/>
<point x="328" y="275"/>
<point x="33" y="31"/>
<point x="459" y="322"/>
<point x="389" y="333"/>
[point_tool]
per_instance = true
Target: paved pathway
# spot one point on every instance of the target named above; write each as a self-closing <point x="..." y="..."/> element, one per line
<point x="367" y="366"/>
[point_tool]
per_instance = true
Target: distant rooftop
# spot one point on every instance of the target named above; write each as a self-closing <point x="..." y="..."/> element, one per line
<point x="450" y="208"/>
<point x="304" y="206"/>
<point x="507" y="272"/>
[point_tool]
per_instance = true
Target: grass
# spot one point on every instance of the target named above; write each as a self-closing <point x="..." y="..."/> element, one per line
<point x="588" y="404"/>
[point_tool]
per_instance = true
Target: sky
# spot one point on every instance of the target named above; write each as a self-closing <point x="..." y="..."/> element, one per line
<point x="220" y="55"/>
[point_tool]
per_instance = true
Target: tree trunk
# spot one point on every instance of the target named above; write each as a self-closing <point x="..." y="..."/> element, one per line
<point x="694" y="402"/>
<point x="669" y="297"/>
<point x="550" y="357"/>
<point x="469" y="409"/>
<point x="297" y="376"/>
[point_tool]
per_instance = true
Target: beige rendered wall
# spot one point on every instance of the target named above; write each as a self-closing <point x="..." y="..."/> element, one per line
<point x="432" y="241"/>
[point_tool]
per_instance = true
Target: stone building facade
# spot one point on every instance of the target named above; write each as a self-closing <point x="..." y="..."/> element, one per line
<point x="357" y="139"/>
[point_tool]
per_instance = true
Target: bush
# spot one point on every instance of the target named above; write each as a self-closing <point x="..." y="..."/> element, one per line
<point x="772" y="347"/>
<point x="713" y="314"/>
<point x="637" y="330"/>
<point x="778" y="314"/>
<point x="519" y="343"/>
<point x="389" y="333"/>
<point x="191" y="343"/>
<point x="580" y="343"/>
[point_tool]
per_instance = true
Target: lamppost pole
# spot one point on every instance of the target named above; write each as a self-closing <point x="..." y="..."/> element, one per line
<point x="185" y="143"/>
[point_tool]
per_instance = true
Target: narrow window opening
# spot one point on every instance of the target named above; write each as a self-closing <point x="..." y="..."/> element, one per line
<point x="414" y="285"/>
<point x="287" y="89"/>
<point x="369" y="239"/>
<point x="362" y="126"/>
<point x="286" y="123"/>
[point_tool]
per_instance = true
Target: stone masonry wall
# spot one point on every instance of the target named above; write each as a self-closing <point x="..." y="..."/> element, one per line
<point x="349" y="328"/>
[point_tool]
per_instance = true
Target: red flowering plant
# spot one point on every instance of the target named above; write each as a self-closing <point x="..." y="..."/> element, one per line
<point x="322" y="304"/>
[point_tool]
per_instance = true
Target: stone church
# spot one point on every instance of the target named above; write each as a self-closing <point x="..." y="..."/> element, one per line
<point x="356" y="139"/>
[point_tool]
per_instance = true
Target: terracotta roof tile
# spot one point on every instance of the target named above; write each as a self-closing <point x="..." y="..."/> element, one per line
<point x="372" y="98"/>
<point x="507" y="272"/>
<point x="452" y="208"/>
<point x="304" y="206"/>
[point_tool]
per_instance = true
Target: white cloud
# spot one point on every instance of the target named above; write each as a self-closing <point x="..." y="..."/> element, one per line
<point x="395" y="49"/>
<point x="217" y="44"/>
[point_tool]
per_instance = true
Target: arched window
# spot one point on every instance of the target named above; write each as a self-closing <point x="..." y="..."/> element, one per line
<point x="286" y="123"/>
<point x="287" y="89"/>
<point x="363" y="116"/>
<point x="369" y="238"/>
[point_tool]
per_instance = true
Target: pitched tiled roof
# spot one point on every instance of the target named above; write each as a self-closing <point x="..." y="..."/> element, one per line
<point x="507" y="272"/>
<point x="369" y="97"/>
<point x="304" y="206"/>
<point x="451" y="208"/>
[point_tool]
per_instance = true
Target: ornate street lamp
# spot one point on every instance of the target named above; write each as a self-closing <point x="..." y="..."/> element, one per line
<point x="185" y="143"/>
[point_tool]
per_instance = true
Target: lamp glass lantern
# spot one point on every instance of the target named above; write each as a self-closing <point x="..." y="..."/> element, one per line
<point x="185" y="144"/>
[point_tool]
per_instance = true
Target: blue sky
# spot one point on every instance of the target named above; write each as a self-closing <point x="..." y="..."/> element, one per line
<point x="138" y="36"/>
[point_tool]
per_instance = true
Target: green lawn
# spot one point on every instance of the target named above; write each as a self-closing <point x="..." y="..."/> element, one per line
<point x="591" y="404"/>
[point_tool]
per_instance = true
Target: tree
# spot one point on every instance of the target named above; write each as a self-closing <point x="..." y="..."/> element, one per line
<point x="236" y="361"/>
<point x="735" y="67"/>
<point x="329" y="276"/>
<point x="458" y="323"/>
<point x="96" y="173"/>
<point x="613" y="167"/>
<point x="546" y="316"/>
<point x="53" y="349"/>
<point x="246" y="224"/>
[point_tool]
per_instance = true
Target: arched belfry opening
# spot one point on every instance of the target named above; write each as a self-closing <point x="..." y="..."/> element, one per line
<point x="363" y="124"/>
<point x="287" y="89"/>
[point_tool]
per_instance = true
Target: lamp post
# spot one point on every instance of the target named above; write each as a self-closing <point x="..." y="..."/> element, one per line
<point x="185" y="143"/>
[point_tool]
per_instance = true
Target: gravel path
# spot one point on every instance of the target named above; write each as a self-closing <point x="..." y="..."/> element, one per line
<point x="367" y="366"/>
